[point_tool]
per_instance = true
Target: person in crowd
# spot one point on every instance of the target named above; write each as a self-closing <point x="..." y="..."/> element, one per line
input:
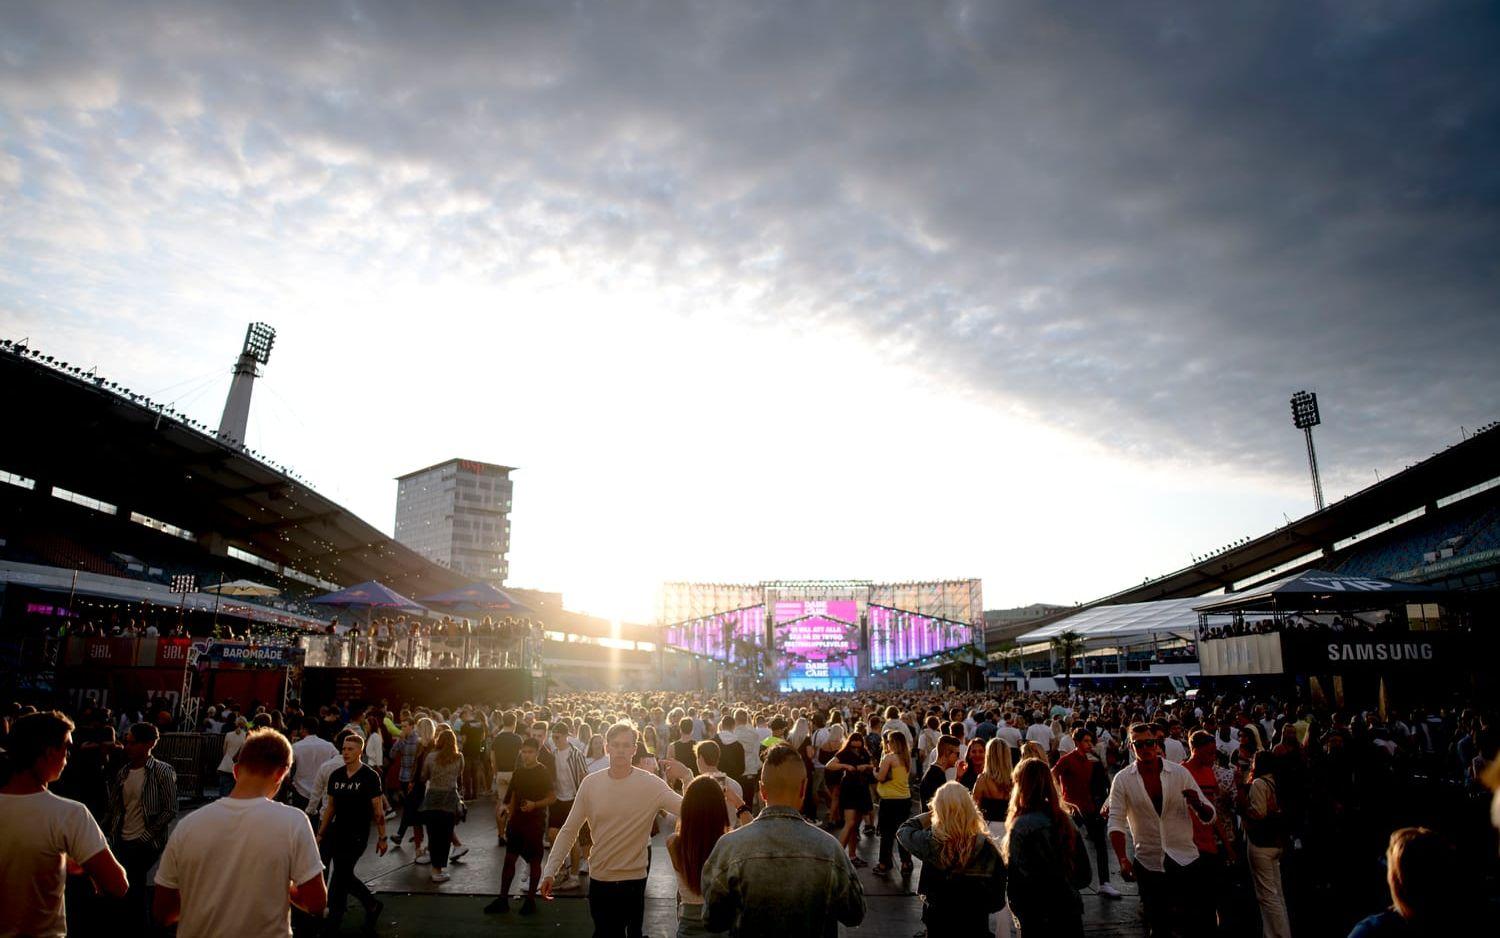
<point x="893" y="785"/>
<point x="707" y="754"/>
<point x="442" y="773"/>
<point x="504" y="752"/>
<point x="779" y="875"/>
<point x="946" y="757"/>
<point x="404" y="759"/>
<point x="472" y="735"/>
<point x="1152" y="800"/>
<point x="416" y="789"/>
<point x="355" y="797"/>
<point x="1045" y="856"/>
<point x="1083" y="781"/>
<point x="993" y="786"/>
<point x="855" y="769"/>
<point x="44" y="836"/>
<point x="309" y="753"/>
<point x="1429" y="898"/>
<point x="529" y="795"/>
<point x="701" y="823"/>
<point x="142" y="807"/>
<point x="237" y="865"/>
<point x="972" y="765"/>
<point x="732" y="755"/>
<point x="1215" y="839"/>
<point x="620" y="806"/>
<point x="1266" y="842"/>
<point x="1040" y="732"/>
<point x="963" y="876"/>
<point x="233" y="740"/>
<point x="569" y="770"/>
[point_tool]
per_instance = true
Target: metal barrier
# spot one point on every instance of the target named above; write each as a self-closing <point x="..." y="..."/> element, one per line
<point x="195" y="758"/>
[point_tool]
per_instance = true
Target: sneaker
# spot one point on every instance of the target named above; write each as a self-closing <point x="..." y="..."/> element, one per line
<point x="424" y="857"/>
<point x="1109" y="891"/>
<point x="568" y="881"/>
<point x="501" y="904"/>
<point x="438" y="876"/>
<point x="528" y="906"/>
<point x="458" y="853"/>
<point x="396" y="841"/>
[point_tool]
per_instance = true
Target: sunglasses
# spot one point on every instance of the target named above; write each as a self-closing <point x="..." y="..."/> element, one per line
<point x="1138" y="743"/>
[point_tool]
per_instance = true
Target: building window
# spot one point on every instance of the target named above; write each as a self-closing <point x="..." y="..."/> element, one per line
<point x="162" y="526"/>
<point x="19" y="481"/>
<point x="84" y="500"/>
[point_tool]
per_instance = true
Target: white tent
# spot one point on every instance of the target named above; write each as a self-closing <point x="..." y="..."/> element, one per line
<point x="1125" y="623"/>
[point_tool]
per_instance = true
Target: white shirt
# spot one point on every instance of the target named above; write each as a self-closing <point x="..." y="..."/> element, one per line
<point x="1010" y="734"/>
<point x="232" y="743"/>
<point x="134" y="825"/>
<point x="308" y="755"/>
<point x="1173" y="750"/>
<point x="619" y="812"/>
<point x="232" y="860"/>
<point x="1169" y="834"/>
<point x="1041" y="734"/>
<point x="1065" y="744"/>
<point x="38" y="833"/>
<point x="896" y="726"/>
<point x="750" y="739"/>
<point x="320" y="784"/>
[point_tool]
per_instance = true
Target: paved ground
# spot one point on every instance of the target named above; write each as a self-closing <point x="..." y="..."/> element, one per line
<point x="415" y="905"/>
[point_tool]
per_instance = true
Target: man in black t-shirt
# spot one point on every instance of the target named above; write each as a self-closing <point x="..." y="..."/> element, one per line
<point x="531" y="794"/>
<point x="937" y="773"/>
<point x="354" y="799"/>
<point x="504" y="750"/>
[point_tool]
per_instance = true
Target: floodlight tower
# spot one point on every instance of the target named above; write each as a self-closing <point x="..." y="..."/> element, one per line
<point x="259" y="338"/>
<point x="1304" y="418"/>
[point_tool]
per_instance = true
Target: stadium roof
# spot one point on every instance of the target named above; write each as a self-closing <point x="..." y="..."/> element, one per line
<point x="1127" y="622"/>
<point x="90" y="436"/>
<point x="1461" y="466"/>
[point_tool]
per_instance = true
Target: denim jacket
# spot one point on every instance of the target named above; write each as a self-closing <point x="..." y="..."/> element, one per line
<point x="781" y="876"/>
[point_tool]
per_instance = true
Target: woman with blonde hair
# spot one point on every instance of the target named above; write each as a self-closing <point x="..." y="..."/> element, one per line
<point x="963" y="877"/>
<point x="1046" y="859"/>
<point x="1032" y="749"/>
<point x="992" y="787"/>
<point x="411" y="806"/>
<point x="893" y="785"/>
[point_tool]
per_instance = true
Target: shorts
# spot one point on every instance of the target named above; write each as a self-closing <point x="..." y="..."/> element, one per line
<point x="558" y="813"/>
<point x="502" y="786"/>
<point x="523" y="837"/>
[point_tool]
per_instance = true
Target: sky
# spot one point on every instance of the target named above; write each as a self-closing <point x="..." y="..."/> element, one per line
<point x="746" y="291"/>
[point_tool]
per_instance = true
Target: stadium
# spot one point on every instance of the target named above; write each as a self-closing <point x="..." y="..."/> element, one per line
<point x="114" y="508"/>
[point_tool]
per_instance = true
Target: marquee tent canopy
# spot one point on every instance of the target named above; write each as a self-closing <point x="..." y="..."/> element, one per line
<point x="1321" y="590"/>
<point x="1125" y="622"/>
<point x="370" y="595"/>
<point x="476" y="598"/>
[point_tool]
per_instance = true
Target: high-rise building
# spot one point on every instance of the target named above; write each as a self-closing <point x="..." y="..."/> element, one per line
<point x="457" y="513"/>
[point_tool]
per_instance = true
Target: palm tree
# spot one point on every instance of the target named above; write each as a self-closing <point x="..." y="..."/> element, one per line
<point x="1066" y="645"/>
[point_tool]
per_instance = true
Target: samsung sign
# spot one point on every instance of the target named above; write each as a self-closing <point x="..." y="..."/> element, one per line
<point x="1380" y="651"/>
<point x="1349" y="653"/>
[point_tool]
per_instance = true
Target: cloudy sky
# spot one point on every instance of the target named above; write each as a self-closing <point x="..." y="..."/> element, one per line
<point x="752" y="290"/>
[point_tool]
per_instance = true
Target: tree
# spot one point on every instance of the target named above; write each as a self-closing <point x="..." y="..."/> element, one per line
<point x="1066" y="645"/>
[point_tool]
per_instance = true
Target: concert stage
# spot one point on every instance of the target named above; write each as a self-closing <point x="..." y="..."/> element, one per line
<point x="429" y="687"/>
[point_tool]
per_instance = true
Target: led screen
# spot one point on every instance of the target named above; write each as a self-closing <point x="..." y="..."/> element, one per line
<point x="817" y="644"/>
<point x="724" y="636"/>
<point x="897" y="637"/>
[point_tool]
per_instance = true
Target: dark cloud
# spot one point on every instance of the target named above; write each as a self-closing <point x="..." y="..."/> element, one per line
<point x="1148" y="223"/>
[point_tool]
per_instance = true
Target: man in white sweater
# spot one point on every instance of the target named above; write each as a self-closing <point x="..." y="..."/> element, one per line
<point x="619" y="805"/>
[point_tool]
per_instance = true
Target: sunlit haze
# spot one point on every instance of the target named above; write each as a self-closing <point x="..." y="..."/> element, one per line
<point x="739" y="307"/>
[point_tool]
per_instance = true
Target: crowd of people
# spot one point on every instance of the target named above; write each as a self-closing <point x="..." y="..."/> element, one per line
<point x="402" y="642"/>
<point x="1231" y="815"/>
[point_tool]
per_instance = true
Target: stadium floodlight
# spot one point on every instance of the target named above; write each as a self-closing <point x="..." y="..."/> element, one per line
<point x="1305" y="410"/>
<point x="259" y="338"/>
<point x="1305" y="416"/>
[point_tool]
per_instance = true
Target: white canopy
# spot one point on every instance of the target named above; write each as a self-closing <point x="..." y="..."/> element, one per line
<point x="1124" y="622"/>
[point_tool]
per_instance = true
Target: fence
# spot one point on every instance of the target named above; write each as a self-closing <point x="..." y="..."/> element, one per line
<point x="195" y="758"/>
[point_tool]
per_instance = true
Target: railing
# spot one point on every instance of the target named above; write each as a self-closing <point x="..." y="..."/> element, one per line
<point x="422" y="651"/>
